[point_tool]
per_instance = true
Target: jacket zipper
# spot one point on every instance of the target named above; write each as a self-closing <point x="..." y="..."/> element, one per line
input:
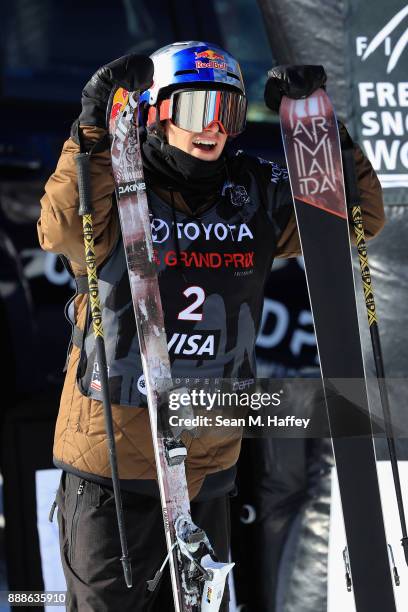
<point x="76" y="515"/>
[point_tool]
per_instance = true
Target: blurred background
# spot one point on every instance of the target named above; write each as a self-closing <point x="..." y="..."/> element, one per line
<point x="48" y="51"/>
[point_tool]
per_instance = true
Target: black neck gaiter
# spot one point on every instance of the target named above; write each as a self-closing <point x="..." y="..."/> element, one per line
<point x="171" y="168"/>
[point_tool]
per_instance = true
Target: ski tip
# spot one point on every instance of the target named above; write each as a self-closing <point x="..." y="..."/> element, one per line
<point x="404" y="543"/>
<point x="127" y="571"/>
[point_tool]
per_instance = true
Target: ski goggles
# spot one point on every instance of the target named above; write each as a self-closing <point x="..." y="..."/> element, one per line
<point x="195" y="110"/>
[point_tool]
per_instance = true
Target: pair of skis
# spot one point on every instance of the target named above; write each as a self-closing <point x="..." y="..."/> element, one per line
<point x="313" y="155"/>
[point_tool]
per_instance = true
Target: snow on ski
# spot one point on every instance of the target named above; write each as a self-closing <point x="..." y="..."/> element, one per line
<point x="313" y="154"/>
<point x="198" y="581"/>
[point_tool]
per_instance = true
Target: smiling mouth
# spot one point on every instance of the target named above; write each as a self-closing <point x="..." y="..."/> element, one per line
<point x="204" y="144"/>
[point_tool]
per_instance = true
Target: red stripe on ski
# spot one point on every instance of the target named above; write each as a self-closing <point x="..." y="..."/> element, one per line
<point x="317" y="205"/>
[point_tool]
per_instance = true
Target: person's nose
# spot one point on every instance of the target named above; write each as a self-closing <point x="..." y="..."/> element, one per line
<point x="212" y="127"/>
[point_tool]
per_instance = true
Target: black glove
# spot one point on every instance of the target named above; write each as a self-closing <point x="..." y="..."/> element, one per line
<point x="130" y="71"/>
<point x="292" y="81"/>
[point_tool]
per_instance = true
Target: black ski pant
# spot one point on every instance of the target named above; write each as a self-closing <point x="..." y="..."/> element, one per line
<point x="90" y="546"/>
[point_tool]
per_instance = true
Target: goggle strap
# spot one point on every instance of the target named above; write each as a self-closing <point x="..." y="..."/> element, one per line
<point x="165" y="110"/>
<point x="156" y="114"/>
<point x="152" y="115"/>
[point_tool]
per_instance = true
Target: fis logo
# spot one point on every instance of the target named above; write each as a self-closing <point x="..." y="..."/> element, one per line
<point x="365" y="48"/>
<point x="127" y="188"/>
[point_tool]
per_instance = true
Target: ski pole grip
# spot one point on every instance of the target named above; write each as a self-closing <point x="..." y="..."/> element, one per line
<point x="84" y="183"/>
<point x="350" y="177"/>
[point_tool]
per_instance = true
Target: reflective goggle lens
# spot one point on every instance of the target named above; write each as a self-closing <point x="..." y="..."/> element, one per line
<point x="195" y="110"/>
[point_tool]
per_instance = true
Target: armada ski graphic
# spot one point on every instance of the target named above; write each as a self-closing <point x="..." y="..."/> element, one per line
<point x="313" y="129"/>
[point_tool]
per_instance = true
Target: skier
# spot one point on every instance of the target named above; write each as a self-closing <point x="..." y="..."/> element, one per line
<point x="234" y="209"/>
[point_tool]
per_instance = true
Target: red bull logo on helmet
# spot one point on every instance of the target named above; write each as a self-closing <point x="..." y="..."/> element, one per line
<point x="214" y="59"/>
<point x="209" y="54"/>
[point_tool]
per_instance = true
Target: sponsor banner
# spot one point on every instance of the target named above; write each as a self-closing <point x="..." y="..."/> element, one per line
<point x="286" y="343"/>
<point x="379" y="59"/>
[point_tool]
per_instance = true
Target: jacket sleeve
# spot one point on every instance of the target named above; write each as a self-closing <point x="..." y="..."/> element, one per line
<point x="60" y="227"/>
<point x="371" y="205"/>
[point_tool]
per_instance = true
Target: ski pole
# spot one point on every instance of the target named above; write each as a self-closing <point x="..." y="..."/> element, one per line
<point x="354" y="204"/>
<point x="85" y="211"/>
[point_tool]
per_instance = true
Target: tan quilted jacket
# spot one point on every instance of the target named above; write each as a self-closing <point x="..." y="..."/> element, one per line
<point x="80" y="440"/>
